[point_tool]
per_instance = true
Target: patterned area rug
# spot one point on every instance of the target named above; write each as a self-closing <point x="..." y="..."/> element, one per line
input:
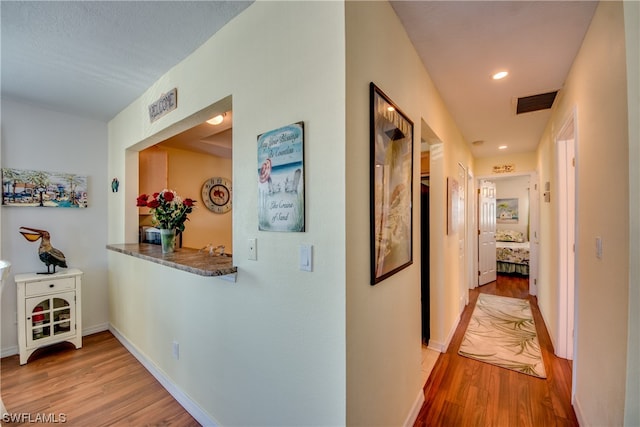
<point x="502" y="332"/>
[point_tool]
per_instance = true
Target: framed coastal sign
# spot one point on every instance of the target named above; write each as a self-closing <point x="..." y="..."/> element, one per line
<point x="281" y="179"/>
<point x="46" y="189"/>
<point x="391" y="170"/>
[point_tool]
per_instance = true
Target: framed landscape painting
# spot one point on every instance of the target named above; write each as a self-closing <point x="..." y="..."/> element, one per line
<point x="391" y="159"/>
<point x="507" y="211"/>
<point x="44" y="189"/>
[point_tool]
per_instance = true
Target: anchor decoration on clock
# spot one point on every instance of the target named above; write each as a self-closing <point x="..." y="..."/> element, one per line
<point x="216" y="194"/>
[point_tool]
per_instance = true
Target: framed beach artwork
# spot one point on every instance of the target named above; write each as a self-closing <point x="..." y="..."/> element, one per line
<point x="43" y="189"/>
<point x="507" y="211"/>
<point x="391" y="170"/>
<point x="281" y="179"/>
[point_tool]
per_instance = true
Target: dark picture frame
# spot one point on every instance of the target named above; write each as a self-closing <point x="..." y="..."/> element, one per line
<point x="391" y="197"/>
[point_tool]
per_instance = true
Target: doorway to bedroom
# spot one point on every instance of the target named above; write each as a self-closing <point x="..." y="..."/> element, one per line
<point x="508" y="228"/>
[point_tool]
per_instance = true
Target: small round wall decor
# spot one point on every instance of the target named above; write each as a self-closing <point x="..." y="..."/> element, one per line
<point x="216" y="194"/>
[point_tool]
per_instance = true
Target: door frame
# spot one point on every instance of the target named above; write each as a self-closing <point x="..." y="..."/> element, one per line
<point x="534" y="223"/>
<point x="566" y="143"/>
<point x="463" y="236"/>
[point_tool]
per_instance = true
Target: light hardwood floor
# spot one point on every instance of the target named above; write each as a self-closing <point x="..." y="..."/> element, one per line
<point x="465" y="392"/>
<point x="101" y="384"/>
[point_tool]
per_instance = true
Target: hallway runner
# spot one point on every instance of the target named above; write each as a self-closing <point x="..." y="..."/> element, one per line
<point x="502" y="332"/>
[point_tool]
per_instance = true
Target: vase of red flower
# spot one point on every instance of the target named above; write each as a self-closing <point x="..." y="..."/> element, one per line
<point x="168" y="240"/>
<point x="169" y="213"/>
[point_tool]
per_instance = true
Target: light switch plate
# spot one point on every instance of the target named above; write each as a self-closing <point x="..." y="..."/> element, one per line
<point x="306" y="257"/>
<point x="175" y="350"/>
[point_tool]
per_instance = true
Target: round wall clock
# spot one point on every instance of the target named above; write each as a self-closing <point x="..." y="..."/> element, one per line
<point x="216" y="194"/>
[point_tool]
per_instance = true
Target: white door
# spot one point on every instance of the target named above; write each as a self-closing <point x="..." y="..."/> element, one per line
<point x="486" y="232"/>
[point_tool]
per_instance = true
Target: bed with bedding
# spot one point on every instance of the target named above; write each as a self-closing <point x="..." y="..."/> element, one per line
<point x="512" y="252"/>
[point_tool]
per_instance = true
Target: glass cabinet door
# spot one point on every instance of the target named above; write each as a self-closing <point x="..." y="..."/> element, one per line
<point x="49" y="316"/>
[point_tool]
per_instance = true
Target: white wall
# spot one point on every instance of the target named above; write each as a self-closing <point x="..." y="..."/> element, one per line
<point x="515" y="187"/>
<point x="383" y="321"/>
<point x="269" y="349"/>
<point x="40" y="139"/>
<point x="596" y="87"/>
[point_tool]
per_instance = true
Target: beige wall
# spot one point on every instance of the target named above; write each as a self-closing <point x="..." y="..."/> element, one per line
<point x="596" y="88"/>
<point x="269" y="349"/>
<point x="188" y="170"/>
<point x="383" y="321"/>
<point x="523" y="162"/>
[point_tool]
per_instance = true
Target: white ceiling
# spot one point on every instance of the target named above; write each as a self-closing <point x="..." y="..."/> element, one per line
<point x="94" y="58"/>
<point x="463" y="43"/>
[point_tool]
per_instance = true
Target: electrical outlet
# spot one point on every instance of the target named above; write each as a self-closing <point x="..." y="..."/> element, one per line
<point x="253" y="249"/>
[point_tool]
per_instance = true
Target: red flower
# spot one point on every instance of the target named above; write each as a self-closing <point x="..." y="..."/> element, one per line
<point x="142" y="200"/>
<point x="168" y="210"/>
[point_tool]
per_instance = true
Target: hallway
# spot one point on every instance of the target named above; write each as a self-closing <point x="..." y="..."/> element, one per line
<point x="462" y="391"/>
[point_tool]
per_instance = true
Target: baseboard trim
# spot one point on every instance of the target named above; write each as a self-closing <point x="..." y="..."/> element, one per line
<point x="95" y="329"/>
<point x="13" y="350"/>
<point x="415" y="410"/>
<point x="579" y="414"/>
<point x="9" y="351"/>
<point x="183" y="399"/>
<point x="443" y="346"/>
<point x="551" y="333"/>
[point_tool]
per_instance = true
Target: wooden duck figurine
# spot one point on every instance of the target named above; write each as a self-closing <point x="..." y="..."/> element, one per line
<point x="47" y="253"/>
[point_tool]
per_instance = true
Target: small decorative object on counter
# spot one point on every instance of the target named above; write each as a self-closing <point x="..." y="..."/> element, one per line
<point x="214" y="250"/>
<point x="47" y="253"/>
<point x="169" y="213"/>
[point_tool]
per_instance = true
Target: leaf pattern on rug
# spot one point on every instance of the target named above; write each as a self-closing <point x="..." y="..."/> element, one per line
<point x="502" y="332"/>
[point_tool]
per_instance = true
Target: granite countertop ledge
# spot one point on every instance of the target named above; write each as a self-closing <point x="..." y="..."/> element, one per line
<point x="185" y="259"/>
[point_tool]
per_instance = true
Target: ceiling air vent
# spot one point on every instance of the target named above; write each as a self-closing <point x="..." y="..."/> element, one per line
<point x="543" y="101"/>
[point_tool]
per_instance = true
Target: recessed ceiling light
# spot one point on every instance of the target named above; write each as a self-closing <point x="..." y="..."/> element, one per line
<point x="500" y="75"/>
<point x="390" y="108"/>
<point x="502" y="147"/>
<point x="216" y="120"/>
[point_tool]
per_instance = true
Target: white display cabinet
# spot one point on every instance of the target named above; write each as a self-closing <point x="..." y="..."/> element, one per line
<point x="49" y="310"/>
